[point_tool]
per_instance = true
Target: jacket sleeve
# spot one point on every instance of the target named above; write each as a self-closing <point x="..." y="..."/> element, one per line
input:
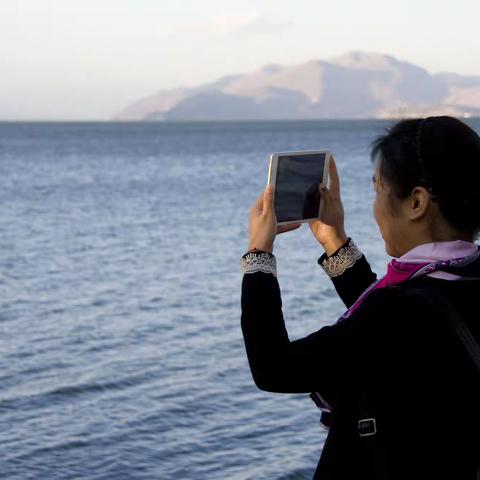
<point x="349" y="270"/>
<point x="322" y="361"/>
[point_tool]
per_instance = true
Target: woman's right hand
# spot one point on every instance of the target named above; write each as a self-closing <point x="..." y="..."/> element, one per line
<point x="329" y="229"/>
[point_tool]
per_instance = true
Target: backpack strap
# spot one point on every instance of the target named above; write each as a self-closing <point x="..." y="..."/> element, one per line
<point x="458" y="326"/>
<point x="456" y="323"/>
<point x="375" y="445"/>
<point x="367" y="428"/>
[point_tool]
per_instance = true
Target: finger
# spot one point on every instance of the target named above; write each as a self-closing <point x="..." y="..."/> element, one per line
<point x="268" y="198"/>
<point x="287" y="228"/>
<point x="334" y="179"/>
<point x="328" y="199"/>
<point x="325" y="193"/>
<point x="258" y="204"/>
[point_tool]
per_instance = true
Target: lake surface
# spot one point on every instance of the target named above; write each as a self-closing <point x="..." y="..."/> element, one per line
<point x="121" y="353"/>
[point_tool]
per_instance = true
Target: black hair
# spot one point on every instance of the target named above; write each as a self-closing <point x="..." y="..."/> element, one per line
<point x="441" y="154"/>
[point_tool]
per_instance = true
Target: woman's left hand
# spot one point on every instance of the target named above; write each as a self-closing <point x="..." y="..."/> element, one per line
<point x="263" y="226"/>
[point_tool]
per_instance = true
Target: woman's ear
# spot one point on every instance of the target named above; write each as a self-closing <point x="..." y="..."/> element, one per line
<point x="419" y="201"/>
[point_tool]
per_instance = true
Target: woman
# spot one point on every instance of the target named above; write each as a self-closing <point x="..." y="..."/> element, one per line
<point x="391" y="358"/>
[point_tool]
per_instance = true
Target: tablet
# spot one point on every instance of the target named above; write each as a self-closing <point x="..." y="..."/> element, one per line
<point x="297" y="178"/>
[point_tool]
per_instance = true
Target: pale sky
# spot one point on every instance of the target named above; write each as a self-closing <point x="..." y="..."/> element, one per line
<point x="87" y="59"/>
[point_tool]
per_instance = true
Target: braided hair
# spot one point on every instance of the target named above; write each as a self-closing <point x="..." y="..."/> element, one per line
<point x="441" y="154"/>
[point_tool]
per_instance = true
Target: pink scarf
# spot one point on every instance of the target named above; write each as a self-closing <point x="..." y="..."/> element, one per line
<point x="436" y="259"/>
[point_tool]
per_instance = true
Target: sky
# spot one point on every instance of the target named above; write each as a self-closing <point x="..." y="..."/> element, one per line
<point x="87" y="59"/>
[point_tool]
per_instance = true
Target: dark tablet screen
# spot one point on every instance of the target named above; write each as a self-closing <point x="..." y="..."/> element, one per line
<point x="297" y="194"/>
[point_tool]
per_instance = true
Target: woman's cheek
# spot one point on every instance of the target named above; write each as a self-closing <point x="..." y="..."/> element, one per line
<point x="375" y="209"/>
<point x="378" y="214"/>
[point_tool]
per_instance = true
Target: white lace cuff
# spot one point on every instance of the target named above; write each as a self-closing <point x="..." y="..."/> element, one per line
<point x="345" y="257"/>
<point x="258" y="261"/>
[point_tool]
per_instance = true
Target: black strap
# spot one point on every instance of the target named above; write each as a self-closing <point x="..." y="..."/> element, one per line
<point x="367" y="425"/>
<point x="456" y="323"/>
<point x="367" y="430"/>
<point x="458" y="326"/>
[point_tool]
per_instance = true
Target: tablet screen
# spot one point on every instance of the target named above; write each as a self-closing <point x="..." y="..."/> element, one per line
<point x="297" y="194"/>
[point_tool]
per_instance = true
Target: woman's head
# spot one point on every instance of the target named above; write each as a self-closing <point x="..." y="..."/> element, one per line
<point x="427" y="173"/>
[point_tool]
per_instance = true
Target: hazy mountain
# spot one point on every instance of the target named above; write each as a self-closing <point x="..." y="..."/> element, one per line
<point x="354" y="85"/>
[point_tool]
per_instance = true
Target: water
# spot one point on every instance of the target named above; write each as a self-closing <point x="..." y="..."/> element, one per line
<point x="121" y="354"/>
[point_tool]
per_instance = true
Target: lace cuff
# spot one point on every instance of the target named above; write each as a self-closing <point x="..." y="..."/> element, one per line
<point x="345" y="257"/>
<point x="261" y="261"/>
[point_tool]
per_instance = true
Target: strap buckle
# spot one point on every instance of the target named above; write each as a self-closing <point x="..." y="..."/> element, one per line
<point x="367" y="427"/>
<point x="325" y="420"/>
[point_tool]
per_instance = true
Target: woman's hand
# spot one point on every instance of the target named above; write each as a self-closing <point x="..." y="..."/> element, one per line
<point x="263" y="226"/>
<point x="329" y="229"/>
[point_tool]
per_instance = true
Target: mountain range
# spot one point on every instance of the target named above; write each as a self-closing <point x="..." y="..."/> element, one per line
<point x="354" y="85"/>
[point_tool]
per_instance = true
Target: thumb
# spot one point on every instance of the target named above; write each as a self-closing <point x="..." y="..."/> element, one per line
<point x="325" y="192"/>
<point x="268" y="198"/>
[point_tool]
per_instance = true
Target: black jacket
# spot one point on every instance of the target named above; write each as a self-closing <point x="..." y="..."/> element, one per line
<point x="424" y="388"/>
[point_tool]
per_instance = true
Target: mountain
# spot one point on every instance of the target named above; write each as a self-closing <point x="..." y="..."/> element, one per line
<point x="354" y="85"/>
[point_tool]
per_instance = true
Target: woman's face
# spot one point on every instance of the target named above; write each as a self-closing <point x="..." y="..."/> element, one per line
<point x="387" y="213"/>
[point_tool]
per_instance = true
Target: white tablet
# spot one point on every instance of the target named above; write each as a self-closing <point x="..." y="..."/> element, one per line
<point x="297" y="178"/>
